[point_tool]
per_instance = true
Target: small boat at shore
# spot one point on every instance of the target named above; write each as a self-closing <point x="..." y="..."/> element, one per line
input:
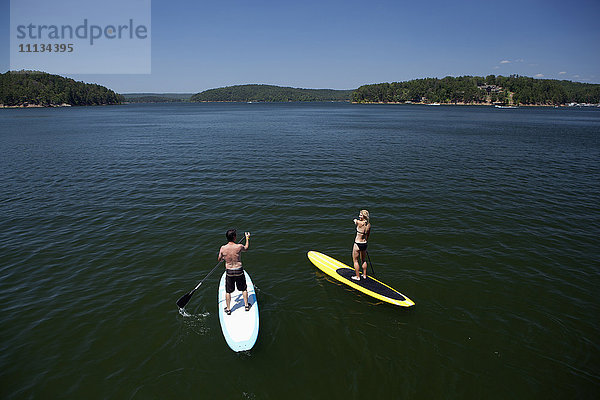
<point x="497" y="106"/>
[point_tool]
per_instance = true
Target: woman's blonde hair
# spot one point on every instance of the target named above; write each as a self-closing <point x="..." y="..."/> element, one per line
<point x="365" y="215"/>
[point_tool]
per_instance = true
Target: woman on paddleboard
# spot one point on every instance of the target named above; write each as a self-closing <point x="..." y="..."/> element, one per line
<point x="359" y="249"/>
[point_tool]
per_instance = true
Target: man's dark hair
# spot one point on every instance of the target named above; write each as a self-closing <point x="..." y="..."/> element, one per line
<point x="231" y="235"/>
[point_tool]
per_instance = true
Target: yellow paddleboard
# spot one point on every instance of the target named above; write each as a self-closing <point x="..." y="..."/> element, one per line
<point x="370" y="286"/>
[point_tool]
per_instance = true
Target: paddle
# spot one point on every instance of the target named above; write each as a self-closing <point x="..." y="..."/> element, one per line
<point x="370" y="263"/>
<point x="186" y="297"/>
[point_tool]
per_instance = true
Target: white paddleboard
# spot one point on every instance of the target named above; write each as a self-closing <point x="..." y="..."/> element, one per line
<point x="240" y="329"/>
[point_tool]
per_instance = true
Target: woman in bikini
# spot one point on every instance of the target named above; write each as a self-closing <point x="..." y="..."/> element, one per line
<point x="359" y="249"/>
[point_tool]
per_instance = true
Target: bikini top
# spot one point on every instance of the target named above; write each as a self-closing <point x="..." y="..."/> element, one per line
<point x="362" y="233"/>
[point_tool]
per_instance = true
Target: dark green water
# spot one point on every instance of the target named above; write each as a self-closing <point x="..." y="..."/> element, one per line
<point x="488" y="219"/>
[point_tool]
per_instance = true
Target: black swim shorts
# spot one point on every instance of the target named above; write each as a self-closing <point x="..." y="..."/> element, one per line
<point x="235" y="277"/>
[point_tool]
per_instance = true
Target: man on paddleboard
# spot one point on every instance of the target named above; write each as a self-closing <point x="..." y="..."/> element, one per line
<point x="232" y="254"/>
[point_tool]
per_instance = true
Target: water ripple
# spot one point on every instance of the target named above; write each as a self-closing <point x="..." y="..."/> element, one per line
<point x="489" y="222"/>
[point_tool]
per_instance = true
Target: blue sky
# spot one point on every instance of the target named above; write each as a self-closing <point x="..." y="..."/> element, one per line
<point x="198" y="44"/>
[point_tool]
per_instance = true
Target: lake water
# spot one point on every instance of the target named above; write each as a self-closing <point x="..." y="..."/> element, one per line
<point x="488" y="219"/>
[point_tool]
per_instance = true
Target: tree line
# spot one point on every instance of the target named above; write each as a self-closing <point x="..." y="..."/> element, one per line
<point x="151" y="99"/>
<point x="156" y="97"/>
<point x="270" y="93"/>
<point x="40" y="88"/>
<point x="491" y="89"/>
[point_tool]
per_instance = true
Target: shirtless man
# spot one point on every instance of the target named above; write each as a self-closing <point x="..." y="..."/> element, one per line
<point x="232" y="254"/>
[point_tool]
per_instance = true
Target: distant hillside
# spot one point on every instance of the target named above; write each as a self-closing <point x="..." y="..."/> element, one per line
<point x="492" y="89"/>
<point x="31" y="88"/>
<point x="156" y="97"/>
<point x="269" y="93"/>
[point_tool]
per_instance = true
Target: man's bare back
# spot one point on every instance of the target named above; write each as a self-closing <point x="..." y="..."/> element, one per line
<point x="232" y="253"/>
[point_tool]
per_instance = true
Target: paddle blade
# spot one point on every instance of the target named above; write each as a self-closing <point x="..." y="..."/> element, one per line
<point x="184" y="299"/>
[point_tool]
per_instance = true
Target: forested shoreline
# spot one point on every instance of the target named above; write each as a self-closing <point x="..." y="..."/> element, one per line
<point x="156" y="97"/>
<point x="270" y="93"/>
<point x="512" y="90"/>
<point x="40" y="89"/>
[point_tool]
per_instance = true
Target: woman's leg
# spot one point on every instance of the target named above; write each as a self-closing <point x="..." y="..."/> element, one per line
<point x="355" y="259"/>
<point x="363" y="257"/>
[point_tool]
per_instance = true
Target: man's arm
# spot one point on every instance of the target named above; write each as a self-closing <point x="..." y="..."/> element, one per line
<point x="220" y="256"/>
<point x="247" y="245"/>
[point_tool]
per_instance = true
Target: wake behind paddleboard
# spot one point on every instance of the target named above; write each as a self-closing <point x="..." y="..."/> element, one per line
<point x="240" y="328"/>
<point x="370" y="286"/>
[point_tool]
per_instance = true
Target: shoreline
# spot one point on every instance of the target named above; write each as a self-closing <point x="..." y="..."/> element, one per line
<point x="473" y="104"/>
<point x="63" y="105"/>
<point x="37" y="106"/>
<point x="570" y="105"/>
